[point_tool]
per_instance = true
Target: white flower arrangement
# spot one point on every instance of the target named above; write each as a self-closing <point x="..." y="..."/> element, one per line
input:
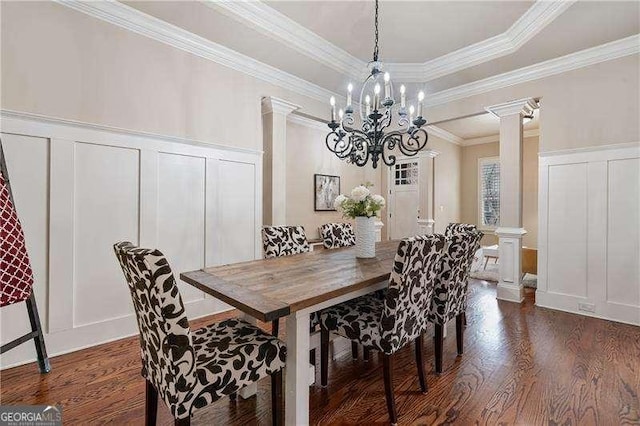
<point x="361" y="203"/>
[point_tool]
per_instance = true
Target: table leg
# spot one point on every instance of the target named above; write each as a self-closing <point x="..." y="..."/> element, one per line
<point x="486" y="260"/>
<point x="297" y="372"/>
<point x="252" y="389"/>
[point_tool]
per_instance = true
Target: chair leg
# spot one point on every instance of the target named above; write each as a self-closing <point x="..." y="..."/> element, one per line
<point x="460" y="333"/>
<point x="150" y="405"/>
<point x="275" y="327"/>
<point x="34" y="319"/>
<point x="438" y="343"/>
<point x="464" y="318"/>
<point x="420" y="363"/>
<point x="233" y="396"/>
<point x="276" y="398"/>
<point x="183" y="422"/>
<point x="354" y="350"/>
<point x="312" y="357"/>
<point x="365" y="354"/>
<point x="388" y="387"/>
<point x="324" y="356"/>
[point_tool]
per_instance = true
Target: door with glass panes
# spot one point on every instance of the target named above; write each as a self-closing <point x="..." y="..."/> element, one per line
<point x="404" y="199"/>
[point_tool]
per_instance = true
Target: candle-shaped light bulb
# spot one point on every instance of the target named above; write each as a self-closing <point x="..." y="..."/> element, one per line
<point x="332" y="101"/>
<point x="387" y="85"/>
<point x="420" y="102"/>
<point x="340" y="113"/>
<point x="367" y="102"/>
<point x="376" y="97"/>
<point x="403" y="96"/>
<point x="411" y="111"/>
<point x="349" y="90"/>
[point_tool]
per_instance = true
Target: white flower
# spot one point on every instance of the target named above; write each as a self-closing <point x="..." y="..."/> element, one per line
<point x="378" y="199"/>
<point x="359" y="193"/>
<point x="337" y="203"/>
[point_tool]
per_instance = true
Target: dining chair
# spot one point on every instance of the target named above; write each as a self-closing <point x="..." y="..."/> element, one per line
<point x="278" y="241"/>
<point x="450" y="296"/>
<point x="455" y="228"/>
<point x="336" y="235"/>
<point x="387" y="325"/>
<point x="284" y="241"/>
<point x="16" y="274"/>
<point x="191" y="369"/>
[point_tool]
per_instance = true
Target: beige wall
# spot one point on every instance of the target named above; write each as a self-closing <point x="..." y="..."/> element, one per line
<point x="306" y="156"/>
<point x="469" y="187"/>
<point x="448" y="177"/>
<point x="62" y="63"/>
<point x="592" y="106"/>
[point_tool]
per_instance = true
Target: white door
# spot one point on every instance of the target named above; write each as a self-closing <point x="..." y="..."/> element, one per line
<point x="404" y="199"/>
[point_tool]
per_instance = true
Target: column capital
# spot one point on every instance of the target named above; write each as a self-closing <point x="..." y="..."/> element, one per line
<point x="524" y="106"/>
<point x="272" y="104"/>
<point x="506" y="232"/>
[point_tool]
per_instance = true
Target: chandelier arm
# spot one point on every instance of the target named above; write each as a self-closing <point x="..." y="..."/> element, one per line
<point x="360" y="154"/>
<point x="415" y="141"/>
<point x="337" y="140"/>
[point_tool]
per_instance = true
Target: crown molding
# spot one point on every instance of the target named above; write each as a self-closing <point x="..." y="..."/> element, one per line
<point x="496" y="138"/>
<point x="267" y="20"/>
<point x="594" y="55"/>
<point x="443" y="134"/>
<point x="141" y="23"/>
<point x="312" y="123"/>
<point x="272" y="23"/>
<point x="537" y="17"/>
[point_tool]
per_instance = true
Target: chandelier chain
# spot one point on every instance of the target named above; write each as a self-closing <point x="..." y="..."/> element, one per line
<point x="375" y="48"/>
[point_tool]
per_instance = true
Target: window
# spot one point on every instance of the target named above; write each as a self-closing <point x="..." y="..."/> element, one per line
<point x="489" y="192"/>
<point x="406" y="173"/>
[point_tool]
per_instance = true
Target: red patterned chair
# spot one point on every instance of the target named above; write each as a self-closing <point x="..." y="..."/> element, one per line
<point x="16" y="275"/>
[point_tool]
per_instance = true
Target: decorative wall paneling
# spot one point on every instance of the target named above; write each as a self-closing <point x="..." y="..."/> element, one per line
<point x="79" y="188"/>
<point x="589" y="238"/>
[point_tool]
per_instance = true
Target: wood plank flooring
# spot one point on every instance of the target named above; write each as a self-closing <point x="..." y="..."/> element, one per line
<point x="522" y="365"/>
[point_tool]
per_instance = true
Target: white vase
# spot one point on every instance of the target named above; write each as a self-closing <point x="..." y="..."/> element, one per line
<point x="365" y="237"/>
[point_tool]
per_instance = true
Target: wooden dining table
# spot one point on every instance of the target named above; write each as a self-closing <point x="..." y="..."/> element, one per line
<point x="293" y="287"/>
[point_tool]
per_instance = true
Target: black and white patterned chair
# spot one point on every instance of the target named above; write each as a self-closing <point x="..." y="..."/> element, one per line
<point x="336" y="235"/>
<point x="450" y="297"/>
<point x="284" y="241"/>
<point x="278" y="241"/>
<point x="455" y="228"/>
<point x="191" y="369"/>
<point x="388" y="324"/>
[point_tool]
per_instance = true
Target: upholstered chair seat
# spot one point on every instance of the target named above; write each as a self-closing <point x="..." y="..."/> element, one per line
<point x="191" y="369"/>
<point x="389" y="324"/>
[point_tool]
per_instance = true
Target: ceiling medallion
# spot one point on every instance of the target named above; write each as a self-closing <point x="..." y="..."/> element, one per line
<point x="357" y="145"/>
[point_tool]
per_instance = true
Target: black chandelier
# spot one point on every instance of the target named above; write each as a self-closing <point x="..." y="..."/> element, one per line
<point x="371" y="141"/>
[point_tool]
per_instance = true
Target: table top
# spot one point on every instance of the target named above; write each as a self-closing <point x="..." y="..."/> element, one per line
<point x="268" y="289"/>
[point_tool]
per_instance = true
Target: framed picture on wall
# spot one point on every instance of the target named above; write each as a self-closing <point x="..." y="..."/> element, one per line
<point x="326" y="189"/>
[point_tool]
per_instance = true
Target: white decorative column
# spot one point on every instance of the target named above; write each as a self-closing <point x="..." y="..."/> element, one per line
<point x="274" y="135"/>
<point x="510" y="231"/>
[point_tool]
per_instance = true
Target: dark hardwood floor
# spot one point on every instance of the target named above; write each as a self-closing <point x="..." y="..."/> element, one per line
<point x="522" y="365"/>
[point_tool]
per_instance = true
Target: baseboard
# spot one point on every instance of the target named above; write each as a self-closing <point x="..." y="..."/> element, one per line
<point x="609" y="311"/>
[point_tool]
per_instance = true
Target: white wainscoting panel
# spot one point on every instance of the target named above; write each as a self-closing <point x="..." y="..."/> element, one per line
<point x="589" y="239"/>
<point x="80" y="188"/>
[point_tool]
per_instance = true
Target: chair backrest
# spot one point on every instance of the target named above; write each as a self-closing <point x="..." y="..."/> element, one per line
<point x="168" y="357"/>
<point x="450" y="295"/>
<point x="335" y="235"/>
<point x="455" y="228"/>
<point x="284" y="241"/>
<point x="410" y="291"/>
